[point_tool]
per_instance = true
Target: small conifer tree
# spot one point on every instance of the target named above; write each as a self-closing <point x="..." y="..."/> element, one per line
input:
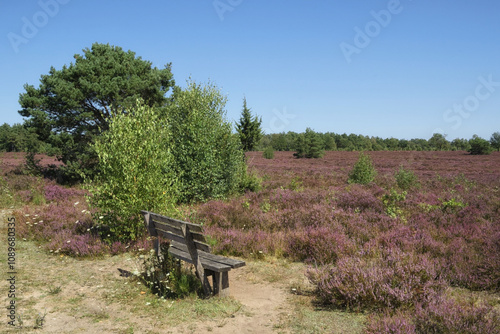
<point x="268" y="153"/>
<point x="248" y="129"/>
<point x="363" y="171"/>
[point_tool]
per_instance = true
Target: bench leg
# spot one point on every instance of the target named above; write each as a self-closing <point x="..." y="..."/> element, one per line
<point x="207" y="289"/>
<point x="221" y="284"/>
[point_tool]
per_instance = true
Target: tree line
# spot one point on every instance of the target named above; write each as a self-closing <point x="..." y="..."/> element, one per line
<point x="18" y="138"/>
<point x="316" y="142"/>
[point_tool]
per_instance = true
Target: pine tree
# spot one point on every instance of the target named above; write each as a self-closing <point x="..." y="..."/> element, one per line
<point x="309" y="145"/>
<point x="74" y="105"/>
<point x="249" y="129"/>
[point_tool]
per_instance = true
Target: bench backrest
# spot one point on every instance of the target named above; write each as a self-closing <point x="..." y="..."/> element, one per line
<point x="175" y="230"/>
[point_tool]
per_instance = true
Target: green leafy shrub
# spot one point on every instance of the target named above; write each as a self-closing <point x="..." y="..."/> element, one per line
<point x="406" y="179"/>
<point x="363" y="171"/>
<point x="392" y="202"/>
<point x="32" y="164"/>
<point x="207" y="156"/>
<point x="151" y="159"/>
<point x="268" y="153"/>
<point x="250" y="181"/>
<point x="135" y="173"/>
<point x="295" y="184"/>
<point x="452" y="205"/>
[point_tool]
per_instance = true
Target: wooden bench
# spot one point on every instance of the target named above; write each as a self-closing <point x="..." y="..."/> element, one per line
<point x="188" y="243"/>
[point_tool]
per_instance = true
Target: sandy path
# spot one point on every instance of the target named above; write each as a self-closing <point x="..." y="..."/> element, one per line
<point x="263" y="303"/>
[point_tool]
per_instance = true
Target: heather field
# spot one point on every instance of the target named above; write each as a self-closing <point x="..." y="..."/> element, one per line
<point x="417" y="250"/>
<point x="10" y="161"/>
<point x="400" y="246"/>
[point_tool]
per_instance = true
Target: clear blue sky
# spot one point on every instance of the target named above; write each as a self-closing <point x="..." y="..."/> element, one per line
<point x="402" y="69"/>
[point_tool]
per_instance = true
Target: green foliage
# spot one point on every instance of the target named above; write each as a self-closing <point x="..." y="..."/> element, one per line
<point x="352" y="142"/>
<point x="438" y="142"/>
<point x="363" y="171"/>
<point x="452" y="205"/>
<point x="152" y="158"/>
<point x="406" y="179"/>
<point x="265" y="206"/>
<point x="7" y="199"/>
<point x="40" y="320"/>
<point x="495" y="141"/>
<point x="309" y="145"/>
<point x="479" y="146"/>
<point x="17" y="138"/>
<point x="248" y="129"/>
<point x="207" y="156"/>
<point x="460" y="144"/>
<point x="279" y="141"/>
<point x="268" y="153"/>
<point x="135" y="173"/>
<point x="329" y="142"/>
<point x="250" y="181"/>
<point x="32" y="164"/>
<point x="296" y="184"/>
<point x="392" y="202"/>
<point x="76" y="103"/>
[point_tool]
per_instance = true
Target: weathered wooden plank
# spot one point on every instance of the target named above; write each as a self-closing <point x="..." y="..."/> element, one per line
<point x="151" y="230"/>
<point x="178" y="223"/>
<point x="224" y="260"/>
<point x="179" y="238"/>
<point x="170" y="236"/>
<point x="200" y="271"/>
<point x="207" y="264"/>
<point x="178" y="230"/>
<point x="212" y="257"/>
